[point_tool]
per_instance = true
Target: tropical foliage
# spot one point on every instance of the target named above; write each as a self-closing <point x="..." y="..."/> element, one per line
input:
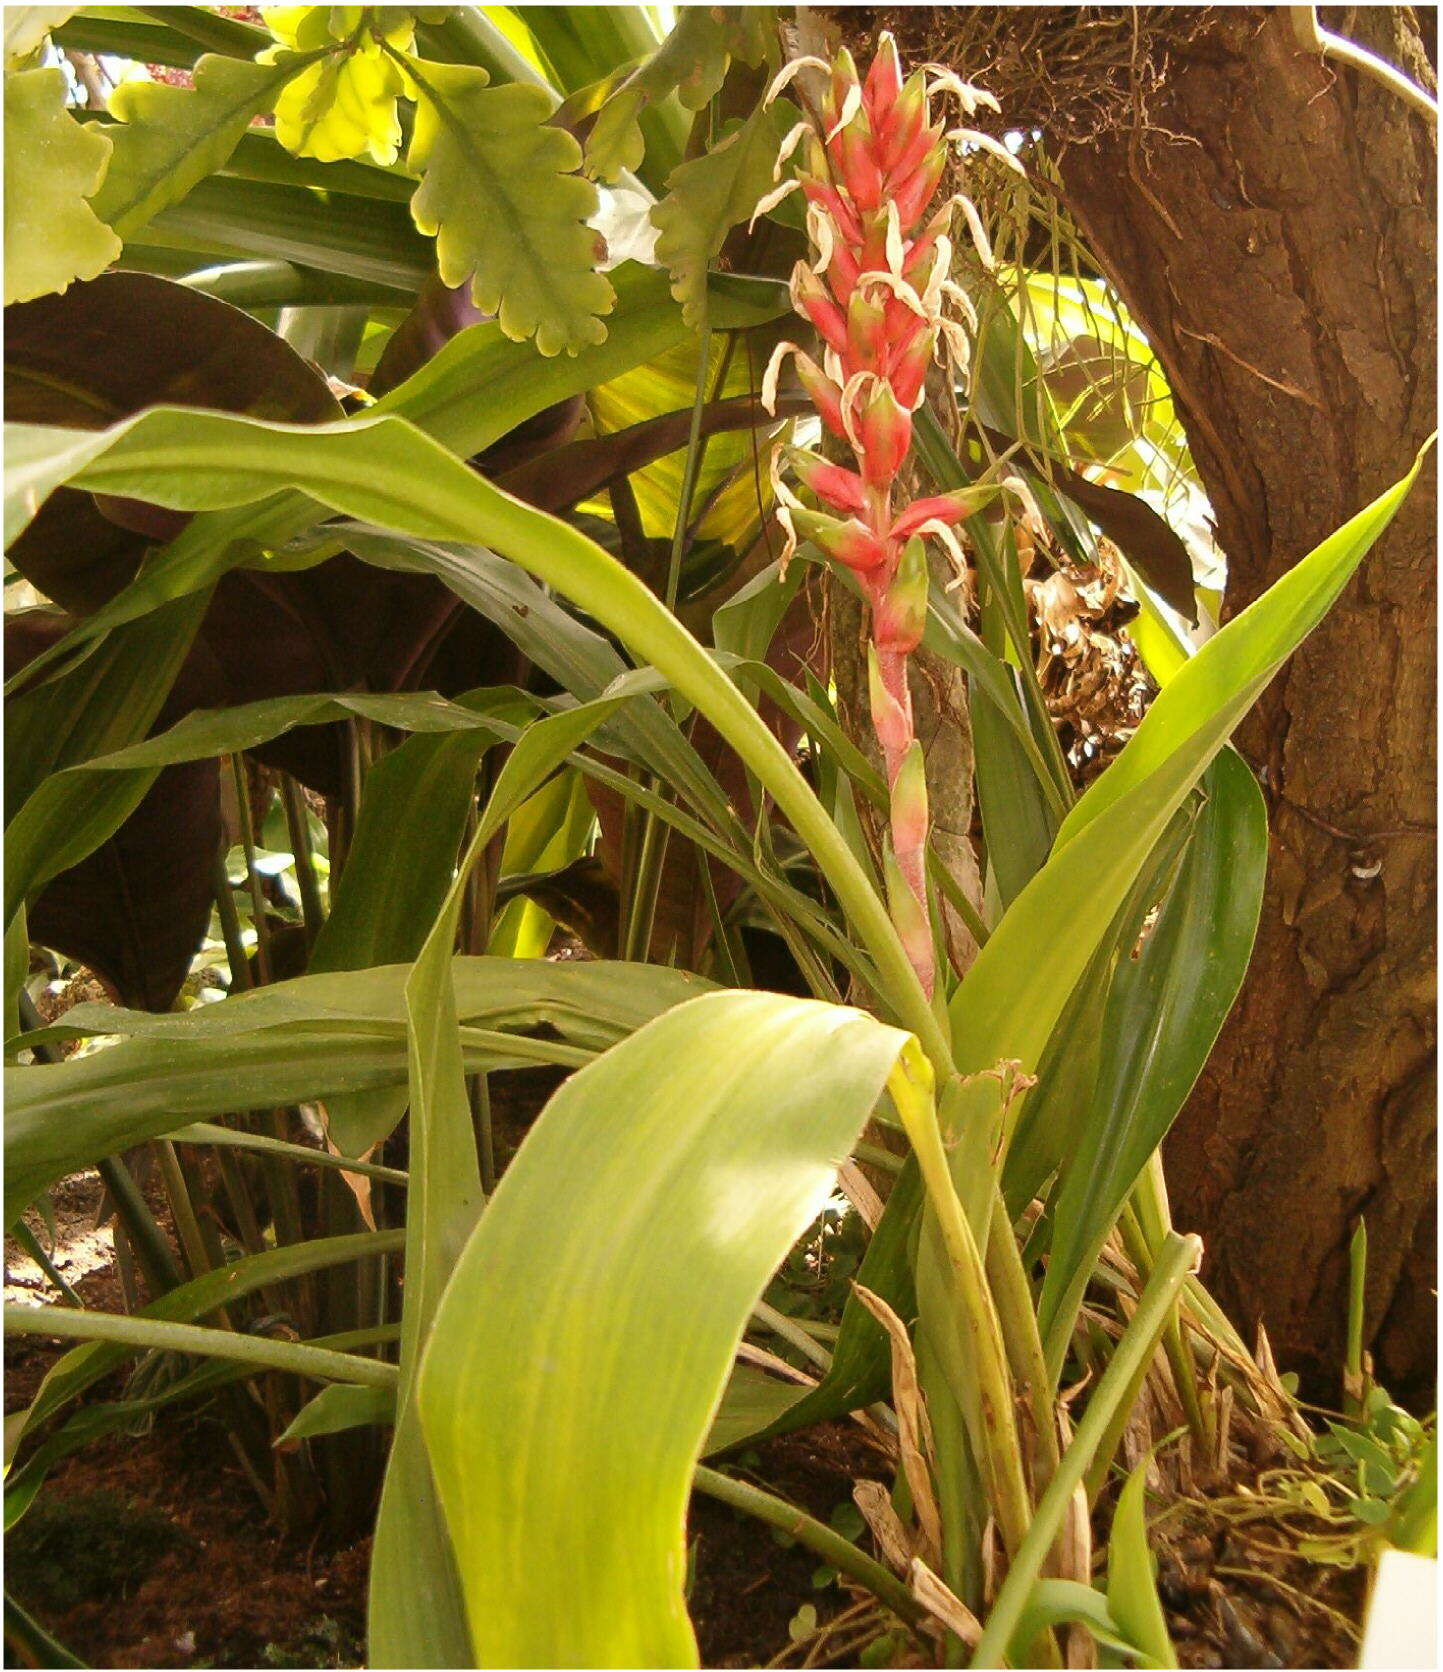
<point x="417" y="551"/>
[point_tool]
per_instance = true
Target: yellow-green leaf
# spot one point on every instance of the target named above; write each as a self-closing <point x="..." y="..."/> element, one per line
<point x="345" y="104"/>
<point x="500" y="191"/>
<point x="168" y="139"/>
<point x="571" y="1379"/>
<point x="52" y="166"/>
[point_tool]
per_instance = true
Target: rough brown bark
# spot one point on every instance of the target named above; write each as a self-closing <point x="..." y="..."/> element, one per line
<point x="1279" y="251"/>
<point x="1269" y="219"/>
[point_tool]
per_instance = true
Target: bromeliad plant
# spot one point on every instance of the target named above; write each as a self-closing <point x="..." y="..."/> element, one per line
<point x="563" y="1349"/>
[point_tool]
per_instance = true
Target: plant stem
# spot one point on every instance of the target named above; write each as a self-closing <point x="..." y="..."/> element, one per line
<point x="31" y="1244"/>
<point x="1177" y="1259"/>
<point x="300" y="833"/>
<point x="264" y="1352"/>
<point x="792" y="1332"/>
<point x="248" y="846"/>
<point x="839" y="1552"/>
<point x="995" y="1439"/>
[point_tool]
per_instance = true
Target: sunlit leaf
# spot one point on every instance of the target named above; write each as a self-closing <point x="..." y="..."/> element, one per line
<point x="499" y="190"/>
<point x="52" y="166"/>
<point x="167" y="139"/>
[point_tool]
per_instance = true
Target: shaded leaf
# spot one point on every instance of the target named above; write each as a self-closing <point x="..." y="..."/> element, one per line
<point x="709" y="195"/>
<point x="52" y="166"/>
<point x="338" y="1407"/>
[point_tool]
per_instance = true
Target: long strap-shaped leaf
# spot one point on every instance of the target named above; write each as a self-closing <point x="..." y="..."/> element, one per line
<point x="383" y="470"/>
<point x="584" y="1341"/>
<point x="1011" y="998"/>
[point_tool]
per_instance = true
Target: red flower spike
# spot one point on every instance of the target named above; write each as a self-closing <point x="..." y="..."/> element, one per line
<point x="946" y="508"/>
<point x="873" y="171"/>
<point x="906" y="120"/>
<point x="841" y="488"/>
<point x="884" y="81"/>
<point x="884" y="434"/>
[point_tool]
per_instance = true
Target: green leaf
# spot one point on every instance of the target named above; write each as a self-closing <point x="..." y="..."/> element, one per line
<point x="27" y="26"/>
<point x="167" y="139"/>
<point x="294" y="1041"/>
<point x="709" y="195"/>
<point x="563" y="1458"/>
<point x="52" y="166"/>
<point x="338" y="1407"/>
<point x="499" y="190"/>
<point x="1007" y="1004"/>
<point x="1164" y="1011"/>
<point x="1131" y="1581"/>
<point x="691" y="62"/>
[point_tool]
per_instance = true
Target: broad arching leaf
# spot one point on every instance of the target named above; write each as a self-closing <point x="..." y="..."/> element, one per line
<point x="571" y="1377"/>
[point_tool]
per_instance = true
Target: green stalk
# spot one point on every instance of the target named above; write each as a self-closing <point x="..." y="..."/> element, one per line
<point x="1017" y="1314"/>
<point x="253" y="879"/>
<point x="839" y="1552"/>
<point x="31" y="1244"/>
<point x="995" y="1439"/>
<point x="1353" y="1386"/>
<point x="300" y="833"/>
<point x="1179" y="1358"/>
<point x="264" y="1352"/>
<point x="654" y="837"/>
<point x="789" y="1330"/>
<point x="1177" y="1259"/>
<point x="230" y="927"/>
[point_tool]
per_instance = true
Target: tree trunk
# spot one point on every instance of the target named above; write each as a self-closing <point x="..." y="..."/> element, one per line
<point x="1274" y="236"/>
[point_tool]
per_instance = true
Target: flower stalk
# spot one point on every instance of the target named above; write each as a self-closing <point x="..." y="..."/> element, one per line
<point x="877" y="293"/>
